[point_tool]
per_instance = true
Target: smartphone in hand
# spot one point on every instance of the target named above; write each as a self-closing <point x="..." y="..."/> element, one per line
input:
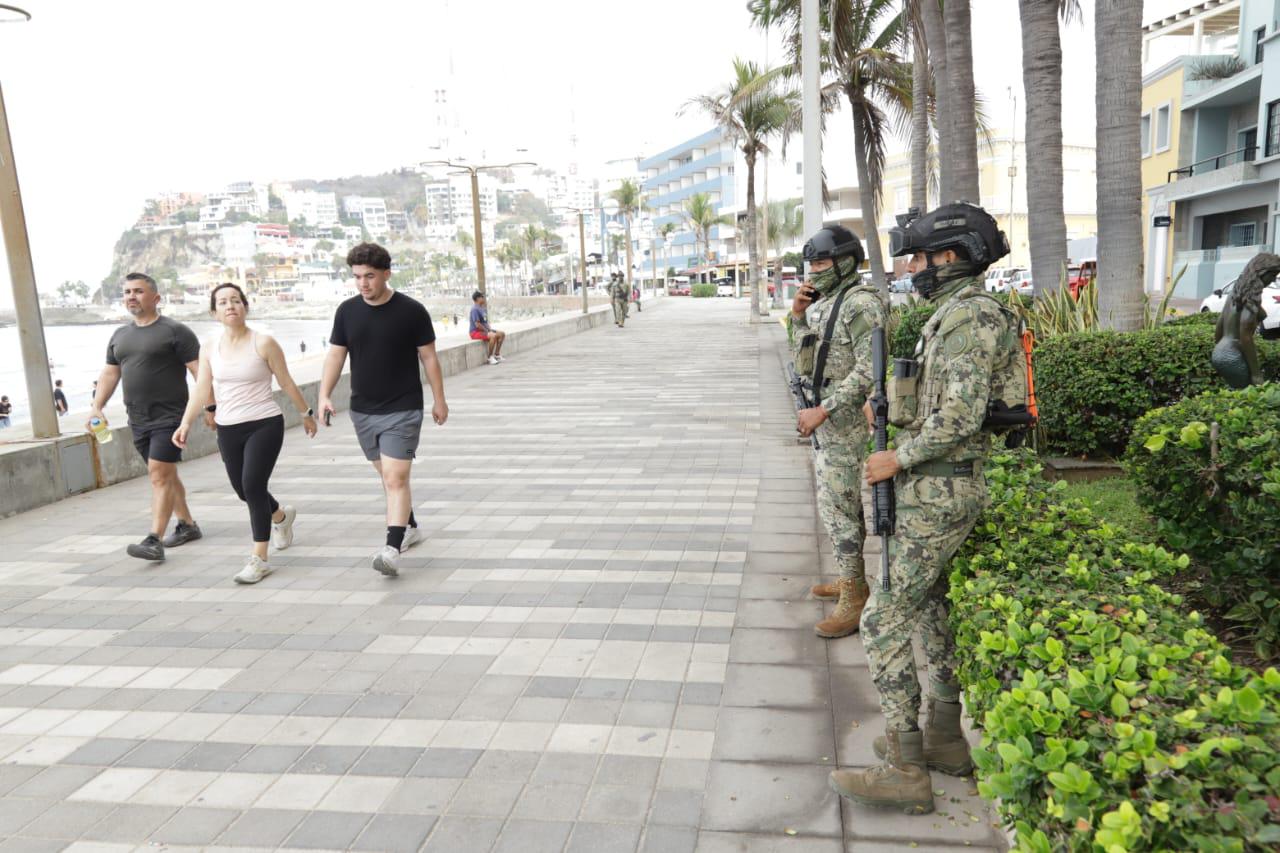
<point x="328" y="416"/>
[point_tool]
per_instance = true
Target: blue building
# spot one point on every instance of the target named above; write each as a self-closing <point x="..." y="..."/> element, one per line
<point x="703" y="164"/>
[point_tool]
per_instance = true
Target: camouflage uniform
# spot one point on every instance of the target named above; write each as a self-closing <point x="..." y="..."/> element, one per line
<point x="843" y="437"/>
<point x="619" y="293"/>
<point x="940" y="493"/>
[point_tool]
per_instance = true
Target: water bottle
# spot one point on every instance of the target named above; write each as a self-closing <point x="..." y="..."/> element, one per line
<point x="101" y="431"/>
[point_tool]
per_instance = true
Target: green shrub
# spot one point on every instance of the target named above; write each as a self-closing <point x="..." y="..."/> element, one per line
<point x="1201" y="318"/>
<point x="1218" y="496"/>
<point x="1093" y="386"/>
<point x="1112" y="720"/>
<point x="906" y="323"/>
<point x="702" y="291"/>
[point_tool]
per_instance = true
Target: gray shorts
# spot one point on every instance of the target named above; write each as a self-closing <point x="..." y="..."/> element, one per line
<point x="394" y="434"/>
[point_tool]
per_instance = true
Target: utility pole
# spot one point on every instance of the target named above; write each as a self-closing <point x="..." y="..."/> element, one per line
<point x="26" y="299"/>
<point x="811" y="116"/>
<point x="474" y="172"/>
<point x="582" y="250"/>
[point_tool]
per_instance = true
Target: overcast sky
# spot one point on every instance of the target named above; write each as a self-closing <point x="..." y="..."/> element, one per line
<point x="112" y="102"/>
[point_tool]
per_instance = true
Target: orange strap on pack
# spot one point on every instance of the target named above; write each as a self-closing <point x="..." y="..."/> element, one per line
<point x="1028" y="343"/>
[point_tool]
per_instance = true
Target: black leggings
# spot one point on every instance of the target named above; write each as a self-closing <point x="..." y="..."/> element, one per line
<point x="249" y="450"/>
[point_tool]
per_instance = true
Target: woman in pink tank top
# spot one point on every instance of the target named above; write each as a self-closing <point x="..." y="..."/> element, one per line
<point x="238" y="367"/>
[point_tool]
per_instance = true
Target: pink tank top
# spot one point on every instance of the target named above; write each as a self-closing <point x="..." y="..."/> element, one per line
<point x="241" y="386"/>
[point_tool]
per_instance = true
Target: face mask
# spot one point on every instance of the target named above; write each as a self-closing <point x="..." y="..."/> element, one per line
<point x="933" y="278"/>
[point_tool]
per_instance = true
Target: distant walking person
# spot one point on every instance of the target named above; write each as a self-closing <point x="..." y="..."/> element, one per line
<point x="635" y="297"/>
<point x="482" y="331"/>
<point x="618" y="293"/>
<point x="388" y="334"/>
<point x="59" y="398"/>
<point x="150" y="354"/>
<point x="6" y="412"/>
<point x="237" y="367"/>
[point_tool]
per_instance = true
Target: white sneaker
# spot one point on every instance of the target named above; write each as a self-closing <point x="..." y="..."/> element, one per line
<point x="282" y="533"/>
<point x="500" y="357"/>
<point x="387" y="561"/>
<point x="412" y="536"/>
<point x="254" y="570"/>
<point x="491" y="360"/>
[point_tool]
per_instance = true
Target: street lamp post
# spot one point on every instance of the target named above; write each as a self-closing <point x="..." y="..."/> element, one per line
<point x="582" y="251"/>
<point x="26" y="299"/>
<point x="474" y="172"/>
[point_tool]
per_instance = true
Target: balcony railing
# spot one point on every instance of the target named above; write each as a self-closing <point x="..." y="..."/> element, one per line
<point x="1212" y="164"/>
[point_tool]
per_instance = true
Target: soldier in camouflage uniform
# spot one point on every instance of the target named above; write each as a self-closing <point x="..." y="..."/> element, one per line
<point x="966" y="350"/>
<point x="619" y="293"/>
<point x="834" y="254"/>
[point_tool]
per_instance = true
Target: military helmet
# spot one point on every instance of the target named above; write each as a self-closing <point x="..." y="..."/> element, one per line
<point x="833" y="241"/>
<point x="958" y="225"/>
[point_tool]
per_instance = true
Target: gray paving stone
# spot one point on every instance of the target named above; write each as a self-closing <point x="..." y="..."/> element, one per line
<point x="102" y="752"/>
<point x="13" y="775"/>
<point x="328" y="760"/>
<point x="655" y="691"/>
<point x="328" y="830"/>
<point x="628" y="770"/>
<point x="604" y="838"/>
<point x="325" y="705"/>
<point x="533" y="836"/>
<point x="213" y="756"/>
<point x="394" y="832"/>
<point x="617" y="803"/>
<point x="504" y="765"/>
<point x="225" y="701"/>
<point x="261" y="828"/>
<point x="269" y="758"/>
<point x="67" y="821"/>
<point x="421" y="796"/>
<point x="446" y="763"/>
<point x="485" y="798"/>
<point x="742" y="842"/>
<point x="387" y="761"/>
<point x="156" y="754"/>
<point x="31" y="845"/>
<point x="669" y="839"/>
<point x="56" y="781"/>
<point x="550" y="801"/>
<point x="552" y="687"/>
<point x="130" y="824"/>
<point x="773" y="734"/>
<point x="676" y="808"/>
<point x="195" y="826"/>
<point x="462" y="835"/>
<point x="565" y="767"/>
<point x="750" y="797"/>
<point x="761" y="685"/>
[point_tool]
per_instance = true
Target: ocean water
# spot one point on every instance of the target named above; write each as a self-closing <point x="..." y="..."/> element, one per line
<point x="78" y="354"/>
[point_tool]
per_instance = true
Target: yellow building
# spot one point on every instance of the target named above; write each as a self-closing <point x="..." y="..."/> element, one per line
<point x="1002" y="170"/>
<point x="1161" y="133"/>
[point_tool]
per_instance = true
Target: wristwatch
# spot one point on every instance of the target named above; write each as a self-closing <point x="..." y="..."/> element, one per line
<point x="211" y="408"/>
<point x="311" y="413"/>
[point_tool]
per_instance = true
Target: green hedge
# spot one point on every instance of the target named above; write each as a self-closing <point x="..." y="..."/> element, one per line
<point x="702" y="291"/>
<point x="1201" y="318"/>
<point x="907" y="321"/>
<point x="1093" y="386"/>
<point x="1112" y="720"/>
<point x="1219" y="498"/>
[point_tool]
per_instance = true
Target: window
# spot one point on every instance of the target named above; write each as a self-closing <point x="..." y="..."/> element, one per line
<point x="799" y="168"/>
<point x="1273" y="128"/>
<point x="1242" y="234"/>
<point x="1258" y="35"/>
<point x="1162" y="128"/>
<point x="1146" y="134"/>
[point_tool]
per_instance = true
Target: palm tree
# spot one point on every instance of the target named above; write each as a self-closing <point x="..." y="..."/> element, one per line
<point x="1042" y="80"/>
<point x="750" y="111"/>
<point x="530" y="236"/>
<point x="963" y="157"/>
<point x="615" y="247"/>
<point x="920" y="96"/>
<point x="700" y="214"/>
<point x="629" y="200"/>
<point x="465" y="239"/>
<point x="665" y="230"/>
<point x="786" y="225"/>
<point x="1118" y="47"/>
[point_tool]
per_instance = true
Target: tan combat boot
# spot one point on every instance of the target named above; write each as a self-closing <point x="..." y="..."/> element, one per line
<point x="902" y="782"/>
<point x="825" y="590"/>
<point x="843" y="621"/>
<point x="945" y="747"/>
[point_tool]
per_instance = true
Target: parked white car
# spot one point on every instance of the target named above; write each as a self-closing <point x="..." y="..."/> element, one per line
<point x="1021" y="282"/>
<point x="724" y="287"/>
<point x="998" y="278"/>
<point x="1214" y="302"/>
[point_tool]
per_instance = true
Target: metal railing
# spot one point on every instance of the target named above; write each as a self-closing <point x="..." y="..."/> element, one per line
<point x="1211" y="164"/>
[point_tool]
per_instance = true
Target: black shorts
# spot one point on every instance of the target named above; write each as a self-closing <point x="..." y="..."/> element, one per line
<point x="156" y="442"/>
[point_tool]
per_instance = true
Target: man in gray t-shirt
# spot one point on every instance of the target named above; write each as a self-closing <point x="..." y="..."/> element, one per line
<point x="152" y="355"/>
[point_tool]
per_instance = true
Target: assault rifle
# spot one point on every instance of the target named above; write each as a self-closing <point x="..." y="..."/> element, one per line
<point x="882" y="499"/>
<point x="796" y="384"/>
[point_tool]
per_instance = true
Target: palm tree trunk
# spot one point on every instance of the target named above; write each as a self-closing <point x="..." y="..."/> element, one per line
<point x="936" y="38"/>
<point x="867" y="200"/>
<point x="626" y="221"/>
<point x="919" y="121"/>
<point x="753" y="248"/>
<point x="964" y="150"/>
<point x="1118" y="47"/>
<point x="1042" y="80"/>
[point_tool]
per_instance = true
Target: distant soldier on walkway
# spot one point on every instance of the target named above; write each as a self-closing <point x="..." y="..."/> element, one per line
<point x="618" y="293"/>
<point x="150" y="355"/>
<point x="967" y="360"/>
<point x="831" y="322"/>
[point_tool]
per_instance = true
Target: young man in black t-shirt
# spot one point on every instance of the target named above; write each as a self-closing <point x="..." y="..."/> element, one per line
<point x="388" y="334"/>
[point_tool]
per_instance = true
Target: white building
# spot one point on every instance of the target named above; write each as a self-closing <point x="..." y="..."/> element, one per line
<point x="372" y="213"/>
<point x="317" y="209"/>
<point x="247" y="197"/>
<point x="449" y="207"/>
<point x="239" y="245"/>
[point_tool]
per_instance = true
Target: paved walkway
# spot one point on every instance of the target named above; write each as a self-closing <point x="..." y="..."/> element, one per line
<point x="604" y="644"/>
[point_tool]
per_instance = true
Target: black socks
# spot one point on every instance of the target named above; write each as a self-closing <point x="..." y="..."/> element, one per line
<point x="413" y="522"/>
<point x="395" y="537"/>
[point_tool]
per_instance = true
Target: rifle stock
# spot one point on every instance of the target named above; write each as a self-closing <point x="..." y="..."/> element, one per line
<point x="882" y="497"/>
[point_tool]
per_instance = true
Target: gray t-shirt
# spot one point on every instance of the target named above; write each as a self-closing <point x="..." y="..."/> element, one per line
<point x="153" y="364"/>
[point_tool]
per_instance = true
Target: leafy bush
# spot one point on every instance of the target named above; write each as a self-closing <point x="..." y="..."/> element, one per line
<point x="1217" y="495"/>
<point x="1112" y="720"/>
<point x="1200" y="318"/>
<point x="1093" y="386"/>
<point x="906" y="322"/>
<point x="702" y="291"/>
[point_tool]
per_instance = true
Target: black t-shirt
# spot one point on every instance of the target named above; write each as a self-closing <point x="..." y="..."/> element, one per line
<point x="383" y="341"/>
<point x="153" y="364"/>
<point x="5" y="409"/>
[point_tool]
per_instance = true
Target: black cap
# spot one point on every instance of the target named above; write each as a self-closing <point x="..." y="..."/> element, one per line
<point x="833" y="241"/>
